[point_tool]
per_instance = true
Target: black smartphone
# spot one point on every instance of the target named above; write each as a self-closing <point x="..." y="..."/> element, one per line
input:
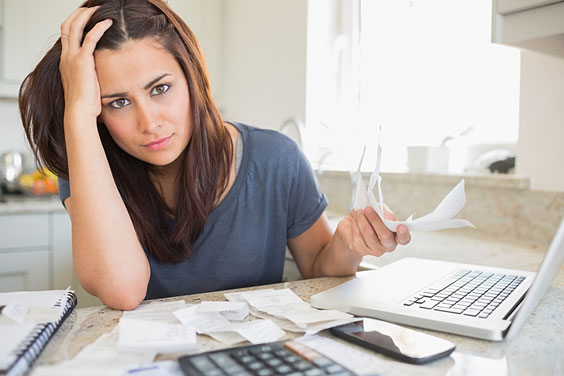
<point x="395" y="341"/>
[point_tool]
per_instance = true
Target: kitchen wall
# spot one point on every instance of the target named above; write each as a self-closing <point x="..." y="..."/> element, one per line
<point x="11" y="131"/>
<point x="264" y="61"/>
<point x="205" y="19"/>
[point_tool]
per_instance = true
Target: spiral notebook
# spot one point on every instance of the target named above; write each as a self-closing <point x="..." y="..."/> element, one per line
<point x="22" y="342"/>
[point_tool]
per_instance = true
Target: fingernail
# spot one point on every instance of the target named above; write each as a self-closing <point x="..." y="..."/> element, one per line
<point x="368" y="210"/>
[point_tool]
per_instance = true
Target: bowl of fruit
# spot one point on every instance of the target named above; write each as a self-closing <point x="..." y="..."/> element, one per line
<point x="39" y="183"/>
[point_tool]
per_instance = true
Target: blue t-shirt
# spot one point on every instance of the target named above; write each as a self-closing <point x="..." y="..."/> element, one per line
<point x="275" y="197"/>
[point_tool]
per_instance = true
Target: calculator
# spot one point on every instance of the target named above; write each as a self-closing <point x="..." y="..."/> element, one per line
<point x="290" y="358"/>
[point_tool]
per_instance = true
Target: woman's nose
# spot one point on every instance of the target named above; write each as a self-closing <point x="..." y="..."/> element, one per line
<point x="149" y="120"/>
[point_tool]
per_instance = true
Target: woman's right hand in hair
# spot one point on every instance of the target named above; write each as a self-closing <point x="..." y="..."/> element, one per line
<point x="103" y="235"/>
<point x="78" y="73"/>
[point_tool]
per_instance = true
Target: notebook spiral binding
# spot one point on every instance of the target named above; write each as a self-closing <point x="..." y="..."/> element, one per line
<point x="32" y="346"/>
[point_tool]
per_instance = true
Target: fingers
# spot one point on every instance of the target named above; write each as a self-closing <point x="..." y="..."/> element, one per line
<point x="94" y="35"/>
<point x="403" y="236"/>
<point x="369" y="236"/>
<point x="73" y="27"/>
<point x="358" y="243"/>
<point x="385" y="236"/>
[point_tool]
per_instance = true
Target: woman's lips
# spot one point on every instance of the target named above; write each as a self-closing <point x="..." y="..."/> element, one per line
<point x="158" y="144"/>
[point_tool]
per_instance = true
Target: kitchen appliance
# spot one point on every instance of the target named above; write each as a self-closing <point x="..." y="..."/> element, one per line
<point x="11" y="167"/>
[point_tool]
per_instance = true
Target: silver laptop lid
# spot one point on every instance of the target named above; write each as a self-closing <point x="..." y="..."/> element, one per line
<point x="546" y="274"/>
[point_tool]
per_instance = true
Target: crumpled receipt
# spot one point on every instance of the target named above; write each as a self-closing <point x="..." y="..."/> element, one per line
<point x="439" y="219"/>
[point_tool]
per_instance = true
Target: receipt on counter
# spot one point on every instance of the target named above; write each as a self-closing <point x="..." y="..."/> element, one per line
<point x="153" y="335"/>
<point x="236" y="311"/>
<point x="203" y="322"/>
<point x="441" y="218"/>
<point x="258" y="331"/>
<point x="156" y="311"/>
<point x="288" y="311"/>
<point x="218" y="327"/>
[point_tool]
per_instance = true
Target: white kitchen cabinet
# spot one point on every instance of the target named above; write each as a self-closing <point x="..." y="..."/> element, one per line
<point x="24" y="231"/>
<point x="61" y="251"/>
<point x="24" y="270"/>
<point x="512" y="6"/>
<point x="536" y="25"/>
<point x="35" y="252"/>
<point x="24" y="252"/>
<point x="29" y="29"/>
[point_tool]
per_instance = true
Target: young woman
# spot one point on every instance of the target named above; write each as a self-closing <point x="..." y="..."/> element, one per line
<point x="166" y="198"/>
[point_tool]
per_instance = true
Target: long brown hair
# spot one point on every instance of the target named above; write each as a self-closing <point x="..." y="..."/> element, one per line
<point x="206" y="162"/>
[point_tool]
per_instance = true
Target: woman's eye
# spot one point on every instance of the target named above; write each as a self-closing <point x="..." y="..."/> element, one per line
<point x="119" y="103"/>
<point x="160" y="89"/>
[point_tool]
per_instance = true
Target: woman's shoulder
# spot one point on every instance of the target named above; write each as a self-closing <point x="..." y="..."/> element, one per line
<point x="264" y="140"/>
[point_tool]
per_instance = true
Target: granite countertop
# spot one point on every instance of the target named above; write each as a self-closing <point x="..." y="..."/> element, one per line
<point x="537" y="349"/>
<point x="22" y="204"/>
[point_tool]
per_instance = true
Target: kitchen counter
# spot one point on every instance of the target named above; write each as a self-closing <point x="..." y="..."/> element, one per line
<point x="537" y="349"/>
<point x="19" y="204"/>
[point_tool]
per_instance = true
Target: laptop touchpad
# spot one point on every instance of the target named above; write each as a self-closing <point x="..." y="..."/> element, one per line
<point x="400" y="280"/>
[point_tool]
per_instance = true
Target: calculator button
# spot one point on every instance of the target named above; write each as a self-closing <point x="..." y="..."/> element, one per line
<point x="274" y="362"/>
<point x="255" y="366"/>
<point x="264" y="372"/>
<point x="314" y="372"/>
<point x="220" y="359"/>
<point x="239" y="353"/>
<point x="247" y="359"/>
<point x="283" y="369"/>
<point x="232" y="369"/>
<point x="241" y="373"/>
<point x="203" y="364"/>
<point x="334" y="369"/>
<point x="302" y="365"/>
<point x="264" y="356"/>
<point x="291" y="359"/>
<point x="261" y="349"/>
<point x="282" y="353"/>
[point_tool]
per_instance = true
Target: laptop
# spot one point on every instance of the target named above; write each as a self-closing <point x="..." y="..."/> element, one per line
<point x="470" y="300"/>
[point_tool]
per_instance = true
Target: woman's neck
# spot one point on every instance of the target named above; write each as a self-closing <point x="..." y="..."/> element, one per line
<point x="164" y="178"/>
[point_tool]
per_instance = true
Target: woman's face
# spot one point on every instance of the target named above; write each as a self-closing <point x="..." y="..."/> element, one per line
<point x="145" y="101"/>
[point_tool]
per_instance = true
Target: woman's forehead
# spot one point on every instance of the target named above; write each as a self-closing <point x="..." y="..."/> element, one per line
<point x="134" y="57"/>
<point x="133" y="63"/>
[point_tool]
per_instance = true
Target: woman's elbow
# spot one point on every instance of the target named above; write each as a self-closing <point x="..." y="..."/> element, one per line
<point x="122" y="299"/>
<point x="118" y="296"/>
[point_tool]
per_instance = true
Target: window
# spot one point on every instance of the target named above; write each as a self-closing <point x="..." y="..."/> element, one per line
<point x="420" y="70"/>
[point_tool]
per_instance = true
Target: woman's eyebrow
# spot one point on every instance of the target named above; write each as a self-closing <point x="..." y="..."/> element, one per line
<point x="152" y="82"/>
<point x="147" y="87"/>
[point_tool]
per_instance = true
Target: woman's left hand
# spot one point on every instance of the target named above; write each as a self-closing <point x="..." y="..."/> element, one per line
<point x="365" y="233"/>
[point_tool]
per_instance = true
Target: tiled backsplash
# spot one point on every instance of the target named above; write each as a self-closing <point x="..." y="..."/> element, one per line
<point x="497" y="205"/>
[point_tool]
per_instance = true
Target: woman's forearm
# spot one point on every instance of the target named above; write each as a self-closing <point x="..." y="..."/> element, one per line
<point x="336" y="259"/>
<point x="108" y="257"/>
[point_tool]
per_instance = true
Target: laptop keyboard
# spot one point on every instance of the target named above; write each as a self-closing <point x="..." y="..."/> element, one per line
<point x="289" y="358"/>
<point x="466" y="292"/>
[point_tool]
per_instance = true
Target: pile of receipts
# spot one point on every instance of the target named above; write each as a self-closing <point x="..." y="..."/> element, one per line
<point x="226" y="321"/>
<point x="256" y="316"/>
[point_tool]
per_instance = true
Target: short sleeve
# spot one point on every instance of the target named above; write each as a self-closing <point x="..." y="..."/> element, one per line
<point x="64" y="189"/>
<point x="306" y="202"/>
